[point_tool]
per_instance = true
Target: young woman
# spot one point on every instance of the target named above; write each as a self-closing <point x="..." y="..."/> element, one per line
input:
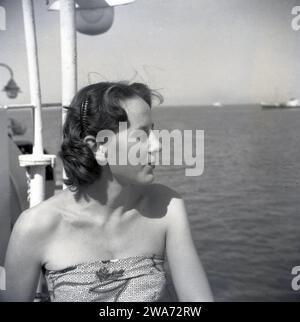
<point x="106" y="236"/>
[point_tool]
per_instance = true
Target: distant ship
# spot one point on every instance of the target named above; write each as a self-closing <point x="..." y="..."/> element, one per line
<point x="292" y="103"/>
<point x="217" y="104"/>
<point x="269" y="105"/>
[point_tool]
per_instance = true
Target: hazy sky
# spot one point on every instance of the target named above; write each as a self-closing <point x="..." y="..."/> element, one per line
<point x="193" y="51"/>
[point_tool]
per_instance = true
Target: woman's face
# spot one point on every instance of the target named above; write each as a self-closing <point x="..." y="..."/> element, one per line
<point x="136" y="145"/>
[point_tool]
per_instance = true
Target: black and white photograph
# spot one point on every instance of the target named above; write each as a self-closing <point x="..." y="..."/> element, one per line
<point x="150" y="151"/>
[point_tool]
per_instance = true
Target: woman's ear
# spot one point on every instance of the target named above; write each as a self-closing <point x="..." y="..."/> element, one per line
<point x="90" y="141"/>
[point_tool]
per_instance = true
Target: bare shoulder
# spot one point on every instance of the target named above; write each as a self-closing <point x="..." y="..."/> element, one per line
<point x="38" y="222"/>
<point x="31" y="234"/>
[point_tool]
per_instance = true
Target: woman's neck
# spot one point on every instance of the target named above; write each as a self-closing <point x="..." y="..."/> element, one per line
<point x="108" y="195"/>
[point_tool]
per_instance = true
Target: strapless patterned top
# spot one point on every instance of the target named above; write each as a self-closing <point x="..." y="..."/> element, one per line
<point x="132" y="279"/>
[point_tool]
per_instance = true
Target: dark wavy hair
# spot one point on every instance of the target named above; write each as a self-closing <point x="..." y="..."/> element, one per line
<point x="94" y="108"/>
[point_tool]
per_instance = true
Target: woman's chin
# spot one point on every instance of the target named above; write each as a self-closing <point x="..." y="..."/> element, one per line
<point x="150" y="178"/>
<point x="149" y="173"/>
<point x="146" y="178"/>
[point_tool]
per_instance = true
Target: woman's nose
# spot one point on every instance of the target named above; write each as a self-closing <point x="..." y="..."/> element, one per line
<point x="154" y="143"/>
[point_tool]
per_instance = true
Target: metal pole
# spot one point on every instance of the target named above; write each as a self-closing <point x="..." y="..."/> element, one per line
<point x="18" y="106"/>
<point x="34" y="75"/>
<point x="36" y="162"/>
<point x="68" y="54"/>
